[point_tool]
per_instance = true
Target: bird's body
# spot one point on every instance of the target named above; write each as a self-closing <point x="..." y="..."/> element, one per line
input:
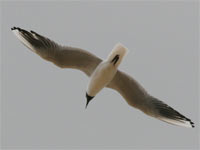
<point x="106" y="70"/>
<point x="130" y="89"/>
<point x="101" y="76"/>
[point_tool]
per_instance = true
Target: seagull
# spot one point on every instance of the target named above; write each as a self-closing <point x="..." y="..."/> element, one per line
<point x="76" y="58"/>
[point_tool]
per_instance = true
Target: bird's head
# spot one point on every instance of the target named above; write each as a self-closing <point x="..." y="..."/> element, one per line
<point x="89" y="98"/>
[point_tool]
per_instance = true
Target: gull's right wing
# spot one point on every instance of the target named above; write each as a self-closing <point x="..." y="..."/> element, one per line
<point x="137" y="97"/>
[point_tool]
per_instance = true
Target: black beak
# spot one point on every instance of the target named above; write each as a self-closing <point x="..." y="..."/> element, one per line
<point x="115" y="59"/>
<point x="89" y="98"/>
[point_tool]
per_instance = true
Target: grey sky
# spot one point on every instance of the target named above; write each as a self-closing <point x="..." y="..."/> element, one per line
<point x="44" y="106"/>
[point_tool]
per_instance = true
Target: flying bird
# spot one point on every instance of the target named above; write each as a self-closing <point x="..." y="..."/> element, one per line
<point x="76" y="58"/>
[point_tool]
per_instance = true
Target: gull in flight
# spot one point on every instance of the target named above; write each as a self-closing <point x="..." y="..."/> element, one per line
<point x="102" y="73"/>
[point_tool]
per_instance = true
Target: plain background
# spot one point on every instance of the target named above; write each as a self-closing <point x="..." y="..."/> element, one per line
<point x="43" y="106"/>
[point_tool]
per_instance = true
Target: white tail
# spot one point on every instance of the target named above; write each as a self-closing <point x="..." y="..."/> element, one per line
<point x="120" y="50"/>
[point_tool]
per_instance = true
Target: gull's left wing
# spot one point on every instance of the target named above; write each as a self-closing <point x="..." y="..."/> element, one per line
<point x="62" y="56"/>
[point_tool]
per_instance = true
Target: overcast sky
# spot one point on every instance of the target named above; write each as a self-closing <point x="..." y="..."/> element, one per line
<point x="44" y="106"/>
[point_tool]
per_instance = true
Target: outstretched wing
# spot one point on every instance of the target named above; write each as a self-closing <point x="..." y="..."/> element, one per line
<point x="62" y="56"/>
<point x="137" y="97"/>
<point x="132" y="92"/>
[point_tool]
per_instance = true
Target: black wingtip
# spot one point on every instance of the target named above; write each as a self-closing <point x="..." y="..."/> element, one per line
<point x="13" y="28"/>
<point x="192" y="124"/>
<point x="32" y="31"/>
<point x="16" y="28"/>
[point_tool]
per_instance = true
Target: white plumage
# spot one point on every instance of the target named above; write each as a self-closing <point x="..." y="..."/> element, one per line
<point x="106" y="70"/>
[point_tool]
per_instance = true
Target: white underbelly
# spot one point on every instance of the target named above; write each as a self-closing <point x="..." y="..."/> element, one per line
<point x="100" y="78"/>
